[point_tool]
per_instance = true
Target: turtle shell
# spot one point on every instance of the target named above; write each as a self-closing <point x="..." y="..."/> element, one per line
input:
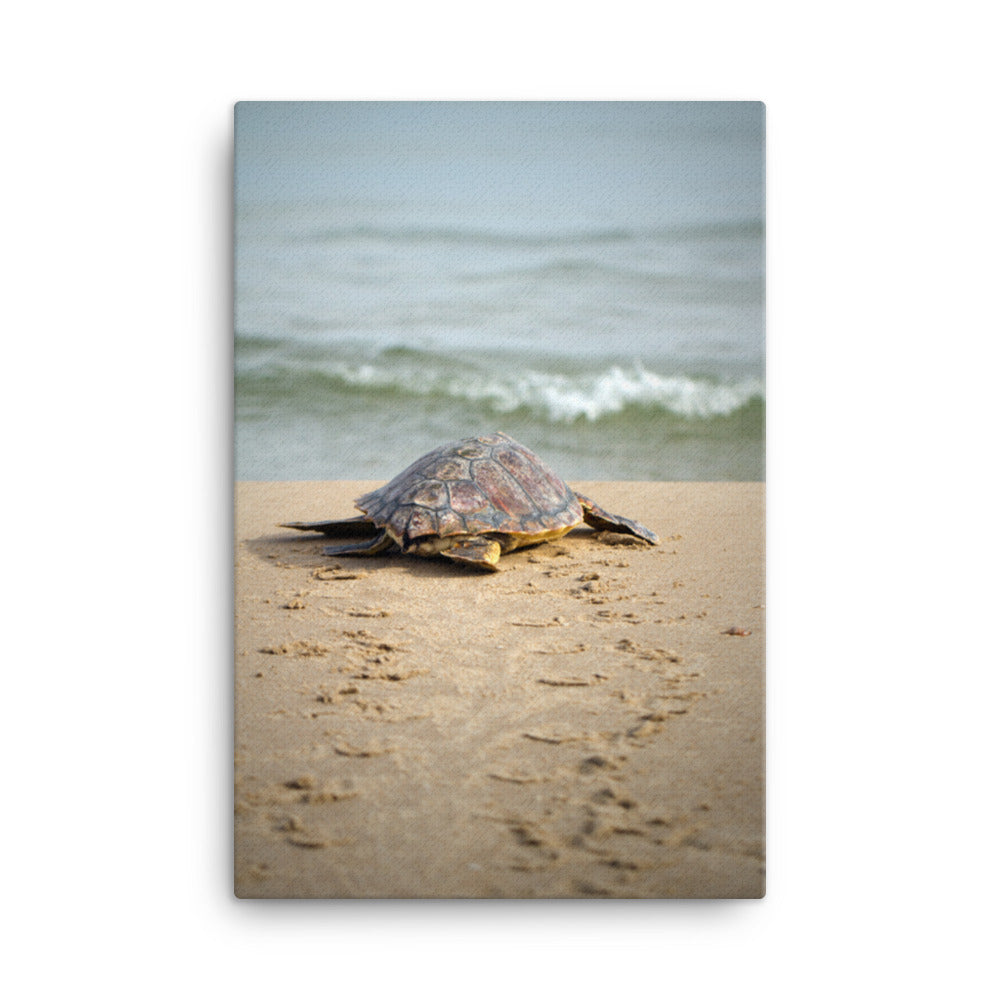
<point x="474" y="486"/>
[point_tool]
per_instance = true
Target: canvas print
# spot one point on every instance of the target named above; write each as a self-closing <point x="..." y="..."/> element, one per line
<point x="499" y="500"/>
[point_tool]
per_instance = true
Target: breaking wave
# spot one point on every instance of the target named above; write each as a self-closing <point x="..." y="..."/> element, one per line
<point x="563" y="398"/>
<point x="501" y="388"/>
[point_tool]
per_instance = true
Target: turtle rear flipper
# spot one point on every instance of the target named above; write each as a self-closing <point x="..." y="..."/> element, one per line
<point x="480" y="551"/>
<point x="371" y="547"/>
<point x="345" y="527"/>
<point x="599" y="518"/>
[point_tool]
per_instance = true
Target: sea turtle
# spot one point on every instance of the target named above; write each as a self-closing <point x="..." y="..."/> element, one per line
<point x="471" y="501"/>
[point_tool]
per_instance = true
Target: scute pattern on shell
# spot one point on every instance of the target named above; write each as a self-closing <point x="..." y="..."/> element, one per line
<point x="472" y="486"/>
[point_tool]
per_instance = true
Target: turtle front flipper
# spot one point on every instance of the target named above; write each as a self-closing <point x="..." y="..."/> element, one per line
<point x="347" y="526"/>
<point x="372" y="547"/>
<point x="480" y="551"/>
<point x="600" y="519"/>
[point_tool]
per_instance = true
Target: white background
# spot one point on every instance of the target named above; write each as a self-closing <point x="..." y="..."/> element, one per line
<point x="882" y="509"/>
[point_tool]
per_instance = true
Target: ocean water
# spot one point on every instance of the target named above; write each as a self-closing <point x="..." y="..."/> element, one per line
<point x="587" y="277"/>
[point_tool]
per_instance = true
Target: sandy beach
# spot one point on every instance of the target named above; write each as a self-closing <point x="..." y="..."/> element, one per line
<point x="586" y="722"/>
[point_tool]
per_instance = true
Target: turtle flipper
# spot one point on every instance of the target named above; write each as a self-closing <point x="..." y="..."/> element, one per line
<point x="599" y="518"/>
<point x="371" y="547"/>
<point x="480" y="551"/>
<point x="347" y="526"/>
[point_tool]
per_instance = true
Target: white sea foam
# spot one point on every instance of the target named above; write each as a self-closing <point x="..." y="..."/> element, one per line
<point x="562" y="398"/>
<point x="611" y="391"/>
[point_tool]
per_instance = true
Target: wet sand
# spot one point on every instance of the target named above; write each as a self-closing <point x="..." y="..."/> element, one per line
<point x="587" y="722"/>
